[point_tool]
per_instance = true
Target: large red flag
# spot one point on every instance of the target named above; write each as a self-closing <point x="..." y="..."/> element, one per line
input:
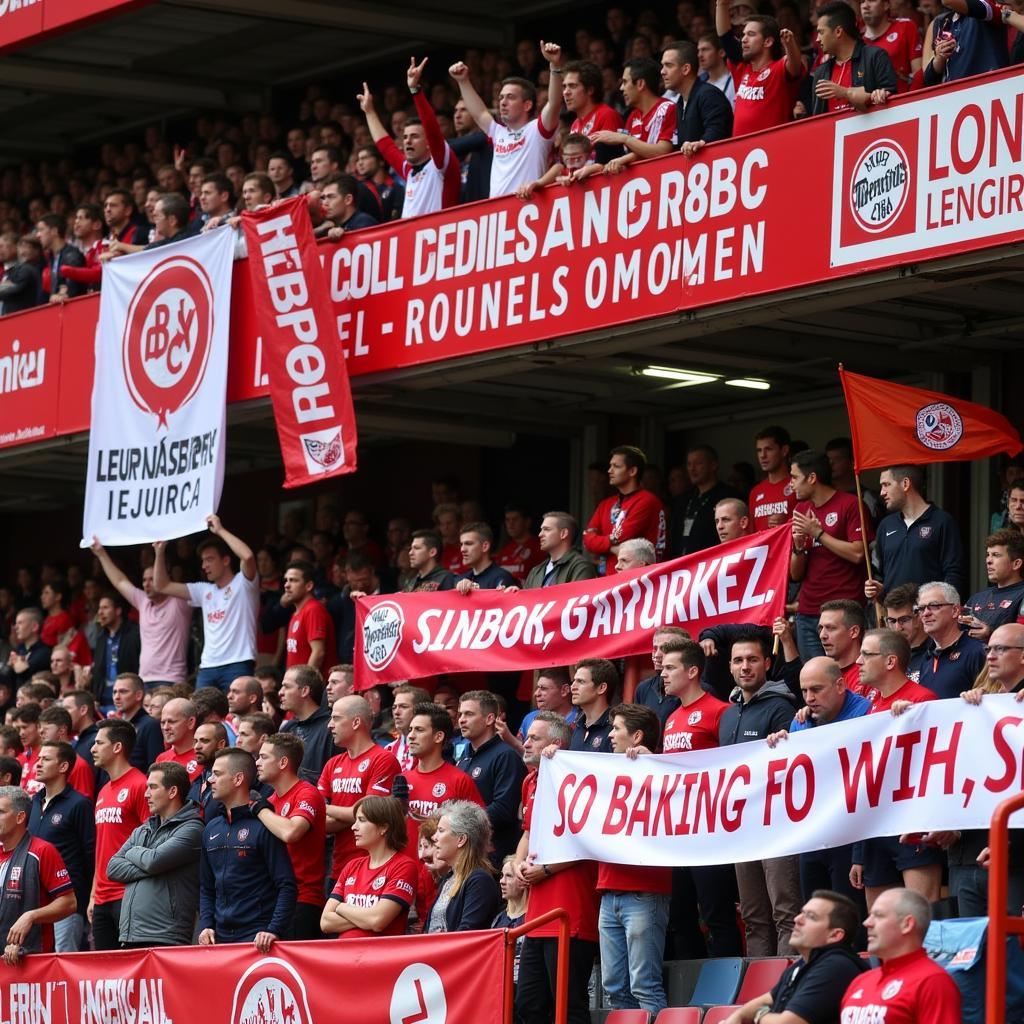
<point x="892" y="424"/>
<point x="309" y="389"/>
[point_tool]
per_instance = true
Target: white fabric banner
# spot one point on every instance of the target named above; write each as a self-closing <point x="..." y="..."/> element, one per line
<point x="941" y="765"/>
<point x="156" y="449"/>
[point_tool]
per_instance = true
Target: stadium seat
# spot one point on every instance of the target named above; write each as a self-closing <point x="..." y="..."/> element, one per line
<point x="718" y="983"/>
<point x="681" y="979"/>
<point x="717" y="1014"/>
<point x="760" y="976"/>
<point x="679" y="1015"/>
<point x="628" y="1017"/>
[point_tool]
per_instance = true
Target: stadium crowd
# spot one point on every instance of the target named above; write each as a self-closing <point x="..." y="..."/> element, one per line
<point x="186" y="758"/>
<point x="492" y="124"/>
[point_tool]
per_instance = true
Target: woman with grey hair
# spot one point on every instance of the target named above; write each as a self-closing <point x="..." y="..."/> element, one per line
<point x="469" y="896"/>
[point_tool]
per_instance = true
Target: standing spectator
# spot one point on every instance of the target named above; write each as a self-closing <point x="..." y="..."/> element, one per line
<point x="282" y="175"/>
<point x="37" y="889"/>
<point x="703" y="114"/>
<point x="475" y="153"/>
<point x="732" y="519"/>
<point x="968" y="38"/>
<point x="581" y="91"/>
<point x="651" y="124"/>
<point x="30" y="654"/>
<point x="475" y="543"/>
<point x="521" y="552"/>
<point x="246" y="883"/>
<point x="253" y="731"/>
<point x="769" y="889"/>
<point x="953" y="658"/>
<point x="55" y="727"/>
<point x="149" y="741"/>
<point x="1000" y="603"/>
<point x="229" y="603"/>
<point x="120" y="807"/>
<point x="20" y="283"/>
<point x="564" y="563"/>
<point x="828" y="546"/>
<point x="713" y="68"/>
<point x="522" y="143"/>
<point x="406" y="697"/>
<point x="634" y="900"/>
<point x="494" y="767"/>
<point x="245" y="697"/>
<point x="81" y="706"/>
<point x="903" y="616"/>
<point x="178" y="724"/>
<point x="595" y="684"/>
<point x="372" y="172"/>
<point x="908" y="986"/>
<point x="551" y="692"/>
<point x="58" y="621"/>
<point x="118" y="649"/>
<point x="209" y="739"/>
<point x="631" y="512"/>
<point x="339" y="196"/>
<point x="468" y="896"/>
<point x="425" y="549"/>
<point x="296" y="813"/>
<point x="916" y="541"/>
<point x="58" y="252"/>
<point x="87" y="228"/>
<point x="26" y="720"/>
<point x="880" y="863"/>
<point x="651" y="691"/>
<point x="571" y="886"/>
<point x="899" y="37"/>
<point x="302" y="694"/>
<point x="852" y="75"/>
<point x="119" y="214"/>
<point x="767" y="84"/>
<point x="376" y="887"/>
<point x="841" y="628"/>
<point x="772" y="500"/>
<point x="361" y="769"/>
<point x="164" y="624"/>
<point x="428" y="166"/>
<point x="64" y="818"/>
<point x="310" y="630"/>
<point x="693" y="512"/>
<point x="158" y="865"/>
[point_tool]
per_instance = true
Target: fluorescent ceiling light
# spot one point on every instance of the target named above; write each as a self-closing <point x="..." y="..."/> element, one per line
<point x="685" y="377"/>
<point x="753" y="383"/>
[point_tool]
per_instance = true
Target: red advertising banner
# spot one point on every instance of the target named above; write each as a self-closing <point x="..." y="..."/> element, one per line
<point x="407" y="636"/>
<point x="29" y="372"/>
<point x="22" y="21"/>
<point x="308" y="379"/>
<point x="414" y="979"/>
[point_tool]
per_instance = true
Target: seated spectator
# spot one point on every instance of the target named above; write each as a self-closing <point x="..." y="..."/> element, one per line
<point x="968" y="38"/>
<point x="811" y="988"/>
<point x="360" y="907"/>
<point x="852" y="74"/>
<point x="468" y="898"/>
<point x="21" y="285"/>
<point x="1000" y="603"/>
<point x="339" y="197"/>
<point x="703" y="114"/>
<point x="908" y="986"/>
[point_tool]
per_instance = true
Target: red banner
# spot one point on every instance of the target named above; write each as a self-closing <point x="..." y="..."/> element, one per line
<point x="23" y="22"/>
<point x="413" y="979"/>
<point x="407" y="636"/>
<point x="891" y="423"/>
<point x="308" y="379"/>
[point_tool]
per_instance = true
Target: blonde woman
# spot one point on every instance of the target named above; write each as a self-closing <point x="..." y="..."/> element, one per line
<point x="468" y="897"/>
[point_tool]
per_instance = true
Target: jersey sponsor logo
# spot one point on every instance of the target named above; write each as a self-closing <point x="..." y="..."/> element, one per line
<point x="439" y="789"/>
<point x="243" y="834"/>
<point x="379" y="882"/>
<point x="351" y="880"/>
<point x="879" y="186"/>
<point x="21" y="370"/>
<point x="939" y="426"/>
<point x="346" y="785"/>
<point x="305" y="805"/>
<point x="750" y="92"/>
<point x="695" y="717"/>
<point x="1005" y="604"/>
<point x="892" y="989"/>
<point x="271" y="991"/>
<point x="405" y="887"/>
<point x="382" y="634"/>
<point x="122" y="795"/>
<point x="217" y="617"/>
<point x="831" y="518"/>
<point x="362" y="899"/>
<point x="678" y="741"/>
<point x="108" y="815"/>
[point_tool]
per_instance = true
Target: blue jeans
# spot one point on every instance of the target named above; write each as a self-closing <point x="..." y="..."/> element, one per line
<point x="807" y="638"/>
<point x="69" y="934"/>
<point x="222" y="676"/>
<point x="632" y="930"/>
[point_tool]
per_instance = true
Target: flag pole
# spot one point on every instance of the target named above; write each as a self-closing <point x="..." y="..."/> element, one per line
<point x="860" y="504"/>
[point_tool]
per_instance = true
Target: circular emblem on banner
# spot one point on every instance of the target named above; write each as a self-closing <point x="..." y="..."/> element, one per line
<point x="879" y="185"/>
<point x="939" y="426"/>
<point x="382" y="634"/>
<point x="439" y="789"/>
<point x="270" y="992"/>
<point x="168" y="336"/>
<point x="419" y="996"/>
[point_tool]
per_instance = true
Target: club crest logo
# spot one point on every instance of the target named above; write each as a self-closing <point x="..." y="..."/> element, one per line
<point x="892" y="988"/>
<point x="831" y="518"/>
<point x="439" y="790"/>
<point x="695" y="717"/>
<point x="925" y="532"/>
<point x="168" y="336"/>
<point x="939" y="426"/>
<point x="122" y="795"/>
<point x="323" y="450"/>
<point x="243" y="834"/>
<point x="363" y="765"/>
<point x="879" y="186"/>
<point x="379" y="882"/>
<point x="270" y="992"/>
<point x="382" y="634"/>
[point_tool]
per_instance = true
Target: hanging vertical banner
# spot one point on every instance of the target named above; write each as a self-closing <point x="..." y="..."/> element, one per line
<point x="156" y="446"/>
<point x="309" y="385"/>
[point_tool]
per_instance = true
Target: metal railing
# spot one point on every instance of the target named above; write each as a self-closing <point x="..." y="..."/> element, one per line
<point x="1000" y="924"/>
<point x="561" y="970"/>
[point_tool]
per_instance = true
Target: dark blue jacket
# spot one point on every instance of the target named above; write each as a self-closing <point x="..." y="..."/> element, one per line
<point x="651" y="694"/>
<point x="498" y="772"/>
<point x="768" y="711"/>
<point x="947" y="673"/>
<point x="492" y="577"/>
<point x="931" y="550"/>
<point x="68" y="824"/>
<point x="592" y="737"/>
<point x="317" y="741"/>
<point x="473" y="907"/>
<point x="706" y="116"/>
<point x="246" y="881"/>
<point x="149" y="741"/>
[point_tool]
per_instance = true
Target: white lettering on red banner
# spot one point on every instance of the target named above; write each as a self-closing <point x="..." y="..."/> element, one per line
<point x="941" y="765"/>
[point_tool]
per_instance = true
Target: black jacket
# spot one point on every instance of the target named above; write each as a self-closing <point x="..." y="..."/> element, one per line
<point x="69" y="256"/>
<point x="768" y="711"/>
<point x="128" y="653"/>
<point x="705" y="116"/>
<point x="315" y="733"/>
<point x="814" y="989"/>
<point x="149" y="741"/>
<point x="870" y="68"/>
<point x="717" y="678"/>
<point x="473" y="907"/>
<point x="20" y="288"/>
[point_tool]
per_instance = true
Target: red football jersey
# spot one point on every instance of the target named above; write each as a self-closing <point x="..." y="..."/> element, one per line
<point x="913" y="692"/>
<point x="187" y="760"/>
<point x="694" y="726"/>
<point x="27" y="759"/>
<point x="764" y="98"/>
<point x="624" y="517"/>
<point x="904" y="990"/>
<point x="365" y="886"/>
<point x="310" y="622"/>
<point x="519" y="557"/>
<point x="120" y="807"/>
<point x="307" y="855"/>
<point x="657" y="125"/>
<point x="53" y="881"/>
<point x="902" y="42"/>
<point x="601" y="119"/>
<point x="428" y="790"/>
<point x="768" y="499"/>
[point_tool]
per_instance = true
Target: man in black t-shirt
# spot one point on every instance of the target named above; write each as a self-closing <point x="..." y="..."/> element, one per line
<point x="693" y="512"/>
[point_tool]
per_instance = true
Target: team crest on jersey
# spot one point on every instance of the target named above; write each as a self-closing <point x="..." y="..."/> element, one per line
<point x="439" y="789"/>
<point x="596" y="742"/>
<point x="695" y="717"/>
<point x="56" y="819"/>
<point x="363" y="765"/>
<point x="192" y="766"/>
<point x="954" y="656"/>
<point x="378" y="882"/>
<point x="925" y="532"/>
<point x="122" y="795"/>
<point x="788" y="490"/>
<point x="476" y="772"/>
<point x="295" y="625"/>
<point x="243" y="834"/>
<point x="1005" y="604"/>
<point x="892" y="37"/>
<point x="892" y="988"/>
<point x="285" y="809"/>
<point x="832" y="518"/>
<point x="764" y="74"/>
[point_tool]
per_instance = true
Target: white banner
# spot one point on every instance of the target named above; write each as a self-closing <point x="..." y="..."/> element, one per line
<point x="156" y="449"/>
<point x="941" y="765"/>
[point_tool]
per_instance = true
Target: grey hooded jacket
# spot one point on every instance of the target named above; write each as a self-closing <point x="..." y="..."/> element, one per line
<point x="159" y="865"/>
